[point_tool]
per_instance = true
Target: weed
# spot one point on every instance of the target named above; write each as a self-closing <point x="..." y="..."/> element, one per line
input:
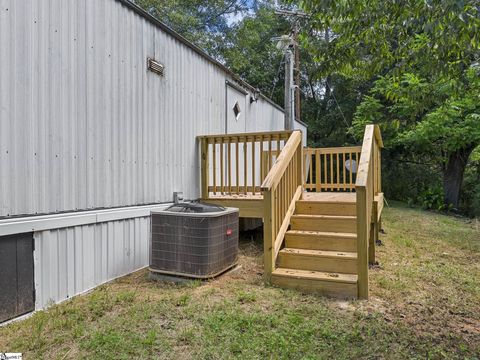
<point x="246" y="297"/>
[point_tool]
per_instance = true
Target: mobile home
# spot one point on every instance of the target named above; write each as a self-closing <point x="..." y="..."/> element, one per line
<point x="100" y="107"/>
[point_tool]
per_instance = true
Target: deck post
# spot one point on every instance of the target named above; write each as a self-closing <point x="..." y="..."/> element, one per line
<point x="362" y="242"/>
<point x="268" y="240"/>
<point x="204" y="168"/>
<point x="372" y="240"/>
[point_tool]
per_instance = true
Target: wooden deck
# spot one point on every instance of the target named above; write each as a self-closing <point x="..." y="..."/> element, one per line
<point x="321" y="240"/>
<point x="251" y="205"/>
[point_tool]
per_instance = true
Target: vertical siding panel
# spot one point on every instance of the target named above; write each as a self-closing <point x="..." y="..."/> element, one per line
<point x="85" y="125"/>
<point x="78" y="250"/>
<point x="111" y="250"/>
<point x="70" y="274"/>
<point x="5" y="110"/>
<point x="62" y="243"/>
<point x="97" y="255"/>
<point x="88" y="240"/>
<point x="81" y="169"/>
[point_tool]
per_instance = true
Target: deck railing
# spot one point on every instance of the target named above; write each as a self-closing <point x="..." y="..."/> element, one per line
<point x="281" y="189"/>
<point x="367" y="186"/>
<point x="331" y="169"/>
<point x="236" y="164"/>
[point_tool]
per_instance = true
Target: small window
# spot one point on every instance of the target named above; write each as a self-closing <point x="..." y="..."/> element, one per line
<point x="236" y="110"/>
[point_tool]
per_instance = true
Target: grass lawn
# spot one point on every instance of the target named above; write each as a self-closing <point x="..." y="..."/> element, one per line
<point x="425" y="303"/>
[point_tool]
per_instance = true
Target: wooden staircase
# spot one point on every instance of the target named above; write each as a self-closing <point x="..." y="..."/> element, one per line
<point x="323" y="241"/>
<point x="320" y="253"/>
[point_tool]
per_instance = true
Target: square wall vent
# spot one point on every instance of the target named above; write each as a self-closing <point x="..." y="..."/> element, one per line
<point x="156" y="67"/>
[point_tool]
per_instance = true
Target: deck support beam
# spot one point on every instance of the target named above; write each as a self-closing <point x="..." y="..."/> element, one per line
<point x="249" y="208"/>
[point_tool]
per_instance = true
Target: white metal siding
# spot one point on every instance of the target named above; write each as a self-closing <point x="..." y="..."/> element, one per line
<point x="84" y="125"/>
<point x="72" y="260"/>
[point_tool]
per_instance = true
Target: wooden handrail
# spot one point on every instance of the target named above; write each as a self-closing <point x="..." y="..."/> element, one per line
<point x="367" y="186"/>
<point x="281" y="189"/>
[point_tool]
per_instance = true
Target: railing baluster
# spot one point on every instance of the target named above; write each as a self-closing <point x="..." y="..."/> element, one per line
<point x="269" y="153"/>
<point x="214" y="165"/>
<point x="237" y="165"/>
<point x="278" y="145"/>
<point x="325" y="172"/>
<point x="229" y="166"/>
<point x="350" y="159"/>
<point x="245" y="166"/>
<point x="310" y="171"/>
<point x="222" y="189"/>
<point x="331" y="172"/>
<point x="318" y="171"/>
<point x="204" y="167"/>
<point x="261" y="160"/>
<point x="338" y="173"/>
<point x="253" y="166"/>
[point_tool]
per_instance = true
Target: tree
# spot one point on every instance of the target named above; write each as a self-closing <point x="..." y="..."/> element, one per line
<point x="204" y="22"/>
<point x="425" y="56"/>
<point x="250" y="52"/>
<point x="435" y="119"/>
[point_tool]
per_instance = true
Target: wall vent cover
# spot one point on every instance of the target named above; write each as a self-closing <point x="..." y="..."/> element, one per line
<point x="156" y="67"/>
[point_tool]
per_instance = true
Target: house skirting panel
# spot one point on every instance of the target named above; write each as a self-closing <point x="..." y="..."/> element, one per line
<point x="72" y="260"/>
<point x="76" y="252"/>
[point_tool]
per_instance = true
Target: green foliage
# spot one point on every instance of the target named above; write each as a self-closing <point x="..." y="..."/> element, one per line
<point x="251" y="53"/>
<point x="202" y="22"/>
<point x="432" y="199"/>
<point x="423" y="59"/>
<point x="375" y="36"/>
<point x="424" y="119"/>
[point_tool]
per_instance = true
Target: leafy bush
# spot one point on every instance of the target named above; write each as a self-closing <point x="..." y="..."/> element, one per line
<point x="432" y="199"/>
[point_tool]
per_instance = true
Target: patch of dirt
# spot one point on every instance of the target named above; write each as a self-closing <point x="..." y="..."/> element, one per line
<point x="438" y="322"/>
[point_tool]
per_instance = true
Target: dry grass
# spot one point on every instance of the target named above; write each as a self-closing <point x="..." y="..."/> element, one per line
<point x="425" y="303"/>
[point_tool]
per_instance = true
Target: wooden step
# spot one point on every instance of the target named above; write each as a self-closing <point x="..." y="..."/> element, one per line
<point x="325" y="283"/>
<point x="319" y="240"/>
<point x="325" y="208"/>
<point x="318" y="260"/>
<point x="326" y="223"/>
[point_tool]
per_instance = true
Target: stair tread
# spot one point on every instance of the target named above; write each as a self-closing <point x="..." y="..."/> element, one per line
<point x="331" y="197"/>
<point x="333" y="202"/>
<point x="326" y="217"/>
<point x="320" y="253"/>
<point x="316" y="275"/>
<point x="322" y="233"/>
